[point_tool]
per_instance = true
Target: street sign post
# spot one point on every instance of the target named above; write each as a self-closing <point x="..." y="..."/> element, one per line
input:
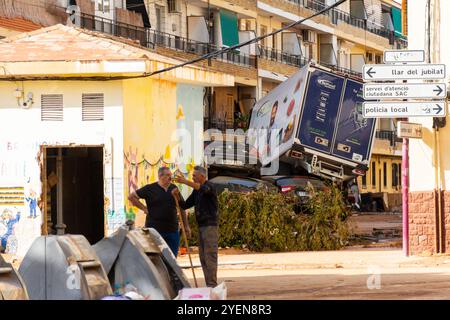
<point x="409" y="130"/>
<point x="399" y="69"/>
<point x="375" y="72"/>
<point x="402" y="56"/>
<point x="403" y="109"/>
<point x="405" y="91"/>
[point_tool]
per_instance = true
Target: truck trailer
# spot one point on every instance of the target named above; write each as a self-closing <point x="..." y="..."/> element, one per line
<point x="314" y="121"/>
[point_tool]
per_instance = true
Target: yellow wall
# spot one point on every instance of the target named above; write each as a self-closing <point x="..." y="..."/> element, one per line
<point x="379" y="172"/>
<point x="270" y="24"/>
<point x="358" y="50"/>
<point x="149" y="121"/>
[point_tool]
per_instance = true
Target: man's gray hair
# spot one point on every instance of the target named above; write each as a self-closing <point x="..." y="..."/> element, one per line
<point x="162" y="169"/>
<point x="201" y="170"/>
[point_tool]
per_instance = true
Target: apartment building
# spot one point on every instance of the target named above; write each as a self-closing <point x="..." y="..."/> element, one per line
<point x="343" y="39"/>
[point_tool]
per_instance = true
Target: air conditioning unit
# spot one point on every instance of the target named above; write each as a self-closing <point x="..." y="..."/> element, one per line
<point x="309" y="36"/>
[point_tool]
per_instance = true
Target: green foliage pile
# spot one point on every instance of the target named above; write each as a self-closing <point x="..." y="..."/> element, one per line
<point x="265" y="222"/>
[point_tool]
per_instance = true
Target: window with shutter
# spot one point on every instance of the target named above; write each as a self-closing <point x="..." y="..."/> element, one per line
<point x="93" y="106"/>
<point x="52" y="107"/>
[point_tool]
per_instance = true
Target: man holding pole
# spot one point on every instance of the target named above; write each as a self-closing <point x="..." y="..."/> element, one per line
<point x="161" y="209"/>
<point x="204" y="198"/>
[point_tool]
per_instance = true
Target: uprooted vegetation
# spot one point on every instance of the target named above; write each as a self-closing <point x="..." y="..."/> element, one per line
<point x="266" y="222"/>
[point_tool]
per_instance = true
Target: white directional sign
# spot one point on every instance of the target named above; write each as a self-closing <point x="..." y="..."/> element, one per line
<point x="403" y="72"/>
<point x="409" y="130"/>
<point x="404" y="109"/>
<point x="405" y="91"/>
<point x="400" y="56"/>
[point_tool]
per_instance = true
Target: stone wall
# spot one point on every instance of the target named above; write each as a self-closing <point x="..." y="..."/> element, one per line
<point x="422" y="222"/>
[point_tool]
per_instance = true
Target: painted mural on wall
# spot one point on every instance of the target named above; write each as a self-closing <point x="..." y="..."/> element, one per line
<point x="184" y="147"/>
<point x="20" y="215"/>
<point x="11" y="206"/>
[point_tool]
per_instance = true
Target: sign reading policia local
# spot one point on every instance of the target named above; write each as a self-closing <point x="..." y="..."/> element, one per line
<point x="403" y="109"/>
<point x="402" y="100"/>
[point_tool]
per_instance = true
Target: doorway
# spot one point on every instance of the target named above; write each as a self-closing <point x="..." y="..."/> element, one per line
<point x="75" y="191"/>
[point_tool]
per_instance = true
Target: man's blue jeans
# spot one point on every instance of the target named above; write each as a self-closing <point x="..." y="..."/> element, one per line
<point x="173" y="241"/>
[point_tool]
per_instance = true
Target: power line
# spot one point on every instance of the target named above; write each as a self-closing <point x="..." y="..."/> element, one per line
<point x="248" y="42"/>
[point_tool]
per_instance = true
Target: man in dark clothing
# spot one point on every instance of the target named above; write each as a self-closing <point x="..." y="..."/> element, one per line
<point x="161" y="209"/>
<point x="204" y="198"/>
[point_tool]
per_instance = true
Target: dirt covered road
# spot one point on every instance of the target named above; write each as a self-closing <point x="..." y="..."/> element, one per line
<point x="353" y="273"/>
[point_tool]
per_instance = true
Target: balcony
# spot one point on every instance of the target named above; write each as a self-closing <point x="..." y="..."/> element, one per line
<point x="151" y="38"/>
<point x="337" y="15"/>
<point x="281" y="57"/>
<point x="388" y="135"/>
<point x="298" y="61"/>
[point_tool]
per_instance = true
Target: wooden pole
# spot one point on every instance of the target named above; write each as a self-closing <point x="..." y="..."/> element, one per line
<point x="183" y="231"/>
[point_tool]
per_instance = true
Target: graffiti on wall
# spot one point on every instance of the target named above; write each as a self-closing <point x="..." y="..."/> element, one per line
<point x="11" y="203"/>
<point x="20" y="194"/>
<point x="141" y="173"/>
<point x="175" y="141"/>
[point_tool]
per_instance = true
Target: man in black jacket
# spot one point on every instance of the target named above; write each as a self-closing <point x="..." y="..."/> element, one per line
<point x="204" y="198"/>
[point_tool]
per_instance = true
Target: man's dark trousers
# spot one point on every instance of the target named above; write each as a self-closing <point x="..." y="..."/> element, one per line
<point x="208" y="251"/>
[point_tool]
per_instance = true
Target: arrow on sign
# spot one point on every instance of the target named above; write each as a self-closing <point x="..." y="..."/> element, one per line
<point x="439" y="109"/>
<point x="370" y="72"/>
<point x="438" y="90"/>
<point x="402" y="109"/>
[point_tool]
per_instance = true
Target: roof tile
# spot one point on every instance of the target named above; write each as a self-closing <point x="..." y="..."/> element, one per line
<point x="63" y="43"/>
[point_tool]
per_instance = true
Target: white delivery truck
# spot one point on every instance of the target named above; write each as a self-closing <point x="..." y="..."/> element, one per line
<point x="314" y="121"/>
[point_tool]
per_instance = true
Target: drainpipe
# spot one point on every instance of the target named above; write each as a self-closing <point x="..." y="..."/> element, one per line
<point x="439" y="190"/>
<point x="112" y="176"/>
<point x="60" y="226"/>
<point x="437" y="152"/>
<point x="405" y="191"/>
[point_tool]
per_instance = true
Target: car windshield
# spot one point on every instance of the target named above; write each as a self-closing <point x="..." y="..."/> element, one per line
<point x="240" y="185"/>
<point x="234" y="184"/>
<point x="248" y="186"/>
<point x="301" y="183"/>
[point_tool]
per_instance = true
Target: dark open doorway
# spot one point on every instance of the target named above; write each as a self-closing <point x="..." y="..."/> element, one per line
<point x="78" y="207"/>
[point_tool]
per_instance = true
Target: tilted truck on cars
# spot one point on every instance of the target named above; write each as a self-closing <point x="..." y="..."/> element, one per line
<point x="314" y="121"/>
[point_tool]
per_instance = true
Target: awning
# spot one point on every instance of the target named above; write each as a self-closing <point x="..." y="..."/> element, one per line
<point x="358" y="9"/>
<point x="198" y="29"/>
<point x="291" y="43"/>
<point x="139" y="7"/>
<point x="229" y="28"/>
<point x="397" y="21"/>
<point x="387" y="21"/>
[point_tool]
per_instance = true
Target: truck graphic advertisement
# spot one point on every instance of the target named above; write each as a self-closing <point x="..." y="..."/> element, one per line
<point x="354" y="133"/>
<point x="315" y="121"/>
<point x="320" y="110"/>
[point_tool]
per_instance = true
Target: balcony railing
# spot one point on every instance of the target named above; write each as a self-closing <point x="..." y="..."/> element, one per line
<point x="389" y="135"/>
<point x="401" y="43"/>
<point x="152" y="39"/>
<point x="282" y="57"/>
<point x="337" y="15"/>
<point x="298" y="60"/>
